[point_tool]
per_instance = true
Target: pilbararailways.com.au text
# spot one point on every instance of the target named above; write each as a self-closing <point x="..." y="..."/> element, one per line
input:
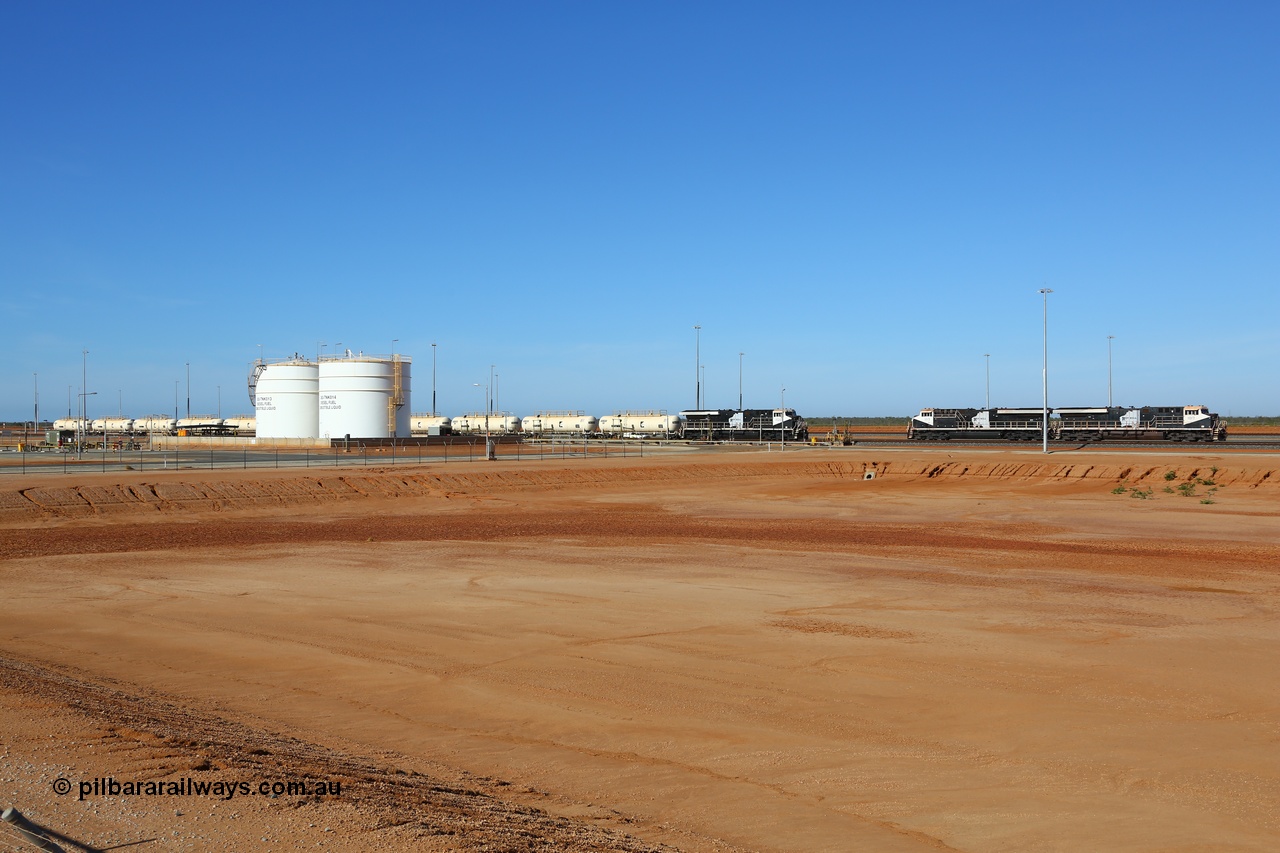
<point x="111" y="787"/>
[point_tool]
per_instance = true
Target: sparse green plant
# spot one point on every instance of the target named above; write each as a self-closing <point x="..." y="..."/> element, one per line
<point x="1119" y="490"/>
<point x="1139" y="493"/>
<point x="1213" y="472"/>
<point x="1168" y="490"/>
<point x="1187" y="489"/>
<point x="1171" y="475"/>
<point x="1204" y="482"/>
<point x="1206" y="500"/>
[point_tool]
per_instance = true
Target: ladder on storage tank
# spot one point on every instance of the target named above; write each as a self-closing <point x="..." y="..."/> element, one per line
<point x="396" y="400"/>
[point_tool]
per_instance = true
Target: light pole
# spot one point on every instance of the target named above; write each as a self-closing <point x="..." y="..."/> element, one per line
<point x="987" y="356"/>
<point x="740" y="355"/>
<point x="697" y="367"/>
<point x="1110" y="338"/>
<point x="1044" y="369"/>
<point x="175" y="400"/>
<point x="188" y="389"/>
<point x="35" y="418"/>
<point x="782" y="424"/>
<point x="433" y="379"/>
<point x="84" y="373"/>
<point x="703" y="380"/>
<point x="320" y="345"/>
<point x="394" y="341"/>
<point x="488" y="439"/>
<point x="82" y="428"/>
<point x="497" y="405"/>
<point x="490" y="393"/>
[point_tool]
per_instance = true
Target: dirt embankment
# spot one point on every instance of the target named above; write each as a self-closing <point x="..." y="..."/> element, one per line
<point x="216" y="491"/>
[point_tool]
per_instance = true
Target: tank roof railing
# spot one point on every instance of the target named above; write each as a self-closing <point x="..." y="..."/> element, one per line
<point x="567" y="413"/>
<point x="640" y="413"/>
<point x="366" y="357"/>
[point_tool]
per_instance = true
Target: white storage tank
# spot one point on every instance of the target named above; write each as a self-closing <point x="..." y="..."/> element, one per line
<point x="118" y="425"/>
<point x="286" y="398"/>
<point x="364" y="397"/>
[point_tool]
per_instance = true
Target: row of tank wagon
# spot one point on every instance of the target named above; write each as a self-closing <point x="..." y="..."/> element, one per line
<point x="1100" y="423"/>
<point x="154" y="425"/>
<point x="691" y="425"/>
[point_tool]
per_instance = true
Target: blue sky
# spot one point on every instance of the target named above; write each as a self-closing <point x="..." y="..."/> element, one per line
<point x="863" y="198"/>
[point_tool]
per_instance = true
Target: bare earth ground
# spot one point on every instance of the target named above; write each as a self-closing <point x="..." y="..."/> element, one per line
<point x="980" y="650"/>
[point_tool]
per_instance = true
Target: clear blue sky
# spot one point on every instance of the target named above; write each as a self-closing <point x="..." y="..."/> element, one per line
<point x="862" y="197"/>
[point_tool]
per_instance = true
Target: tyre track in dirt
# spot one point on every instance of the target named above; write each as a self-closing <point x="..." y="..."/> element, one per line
<point x="469" y="810"/>
<point x="224" y="491"/>
<point x="616" y="525"/>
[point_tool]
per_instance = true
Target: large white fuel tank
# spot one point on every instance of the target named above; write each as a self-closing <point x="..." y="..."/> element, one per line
<point x="287" y="399"/>
<point x="364" y="397"/>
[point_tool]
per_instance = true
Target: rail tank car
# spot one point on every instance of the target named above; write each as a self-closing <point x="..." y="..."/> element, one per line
<point x="641" y="424"/>
<point x="477" y="423"/>
<point x="560" y="423"/>
<point x="154" y="423"/>
<point x="430" y="425"/>
<point x="241" y="423"/>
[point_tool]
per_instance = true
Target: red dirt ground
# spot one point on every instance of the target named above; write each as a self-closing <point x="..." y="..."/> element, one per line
<point x="975" y="650"/>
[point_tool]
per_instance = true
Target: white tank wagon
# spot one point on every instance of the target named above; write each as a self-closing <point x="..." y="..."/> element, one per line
<point x="286" y="398"/>
<point x="476" y="423"/>
<point x="364" y="396"/>
<point x="241" y="423"/>
<point x="560" y="423"/>
<point x="117" y="425"/>
<point x="645" y="424"/>
<point x="98" y="425"/>
<point x="204" y="424"/>
<point x="429" y="425"/>
<point x="154" y="423"/>
<point x="69" y="425"/>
